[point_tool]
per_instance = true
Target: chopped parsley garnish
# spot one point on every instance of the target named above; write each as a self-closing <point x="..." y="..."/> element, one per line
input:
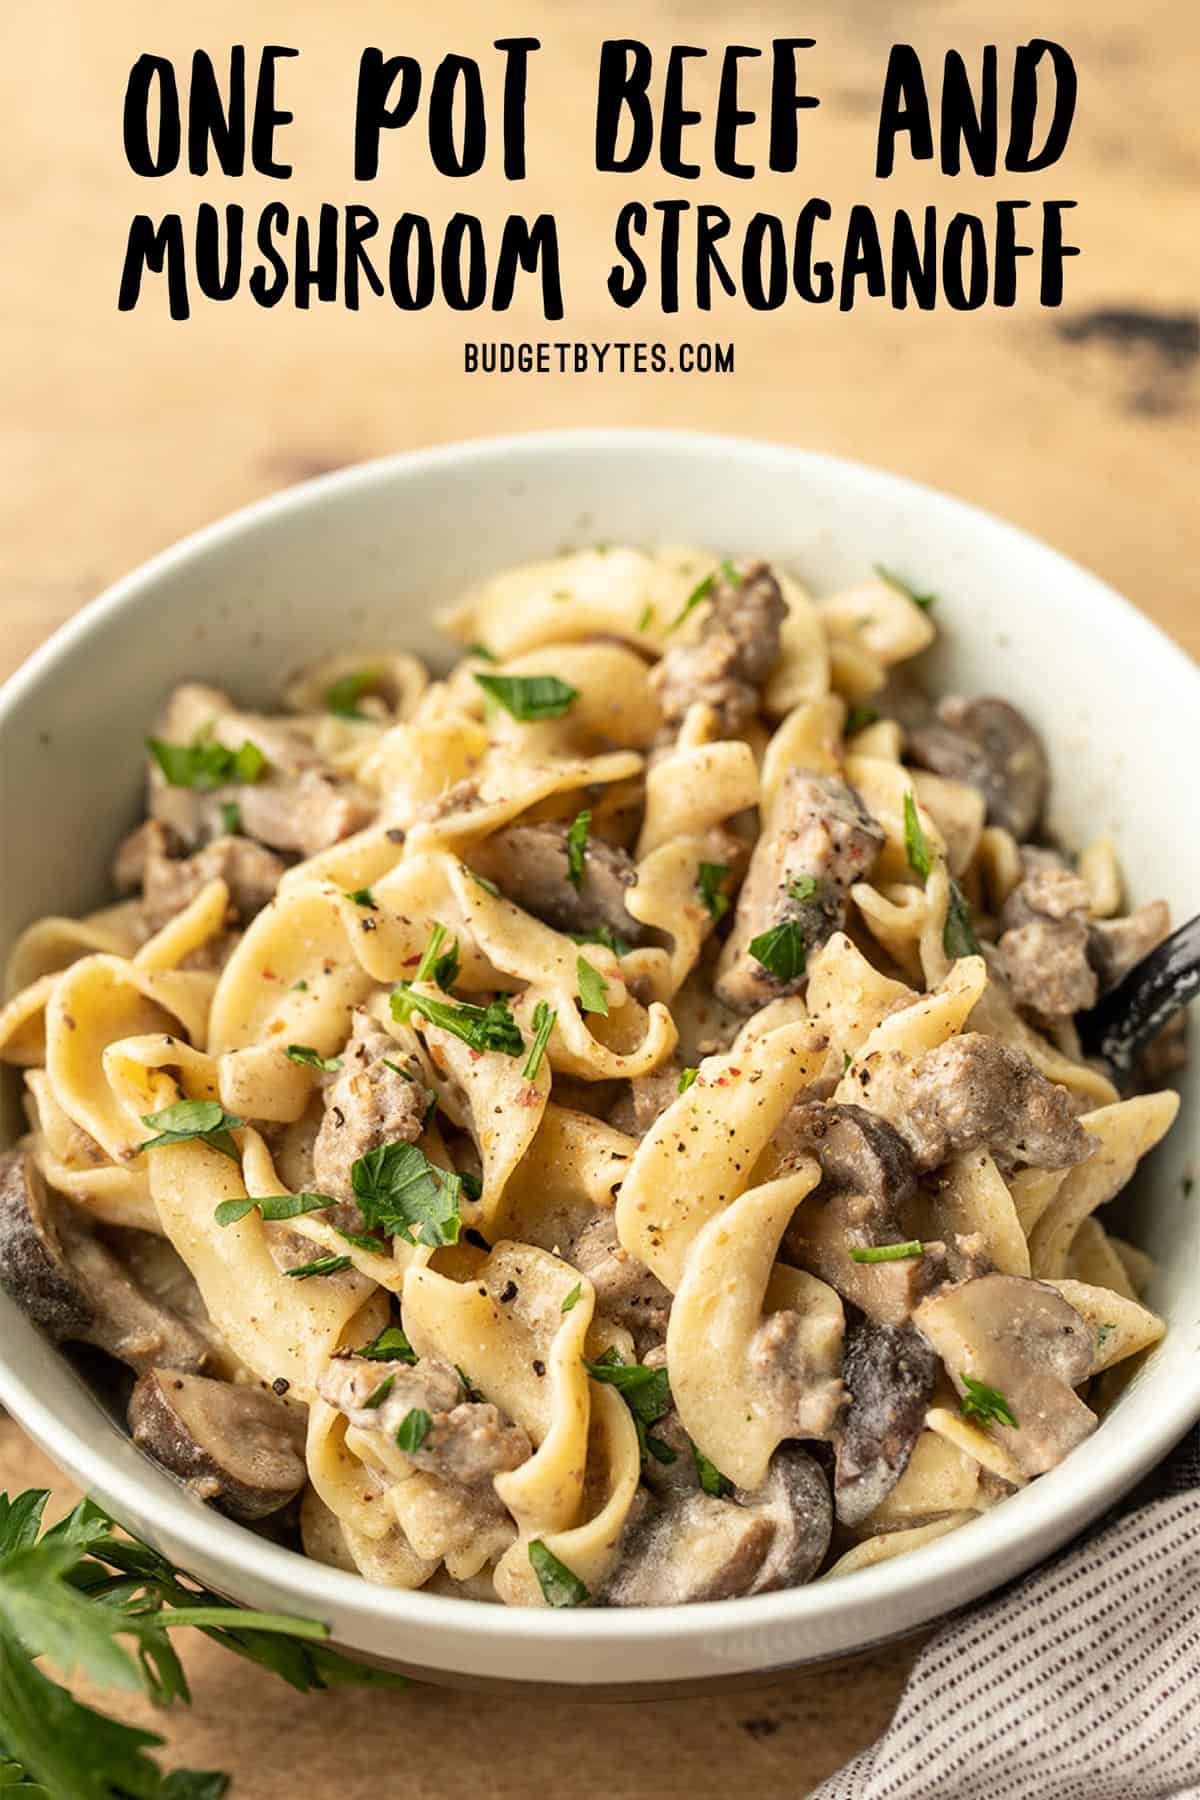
<point x="709" y="877"/>
<point x="312" y="1059"/>
<point x="924" y="601"/>
<point x="881" y="1253"/>
<point x="205" y="1121"/>
<point x="646" y="1392"/>
<point x="489" y="887"/>
<point x="543" y="1024"/>
<point x="473" y="1189"/>
<point x="231" y="817"/>
<point x="703" y="589"/>
<point x="374" y="1245"/>
<point x="443" y="969"/>
<point x="377" y="1396"/>
<point x="858" y="718"/>
<point x="577" y="837"/>
<point x="915" y="846"/>
<point x="364" y="897"/>
<point x="781" y="950"/>
<point x="324" y="1265"/>
<point x="847" y="1059"/>
<point x="984" y="1403"/>
<point x="686" y="1078"/>
<point x="530" y="697"/>
<point x="646" y="617"/>
<point x="709" y="1476"/>
<point x="413" y="1429"/>
<point x="298" y="987"/>
<point x="602" y="934"/>
<point x="205" y="764"/>
<point x="593" y="991"/>
<point x="803" y="888"/>
<point x="397" y="1069"/>
<point x="390" y="1346"/>
<point x="958" y="933"/>
<point x="490" y="1027"/>
<point x="272" y="1206"/>
<point x="482" y="652"/>
<point x="572" y="1298"/>
<point x="401" y="1193"/>
<point x="559" y="1585"/>
<point x="343" y="697"/>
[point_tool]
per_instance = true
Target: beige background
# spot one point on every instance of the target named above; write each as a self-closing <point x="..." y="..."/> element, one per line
<point x="120" y="432"/>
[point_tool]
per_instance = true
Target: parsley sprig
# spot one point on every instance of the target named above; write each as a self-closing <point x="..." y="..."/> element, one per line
<point x="709" y="879"/>
<point x="530" y="697"/>
<point x="924" y="601"/>
<point x="343" y="697"/>
<point x="400" y="1192"/>
<point x="490" y="1027"/>
<point x="985" y="1404"/>
<point x="204" y="764"/>
<point x="577" y="839"/>
<point x="105" y="1606"/>
<point x="702" y="591"/>
<point x="781" y="950"/>
<point x="544" y="1018"/>
<point x="203" y="1121"/>
<point x="560" y="1586"/>
<point x="646" y="1392"/>
<point x="916" y="844"/>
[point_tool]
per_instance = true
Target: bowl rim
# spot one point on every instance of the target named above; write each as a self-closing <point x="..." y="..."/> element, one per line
<point x="1021" y="1532"/>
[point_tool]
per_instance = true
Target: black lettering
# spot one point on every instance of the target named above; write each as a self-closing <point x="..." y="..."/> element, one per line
<point x="627" y="291"/>
<point x="267" y="115"/>
<point x="730" y="116"/>
<point x="274" y="220"/>
<point x="526" y="246"/>
<point x="463" y="241"/>
<point x="1020" y="155"/>
<point x="361" y="224"/>
<point x="966" y="245"/>
<point x="516" y="52"/>
<point x="625" y="70"/>
<point x="904" y="106"/>
<point x="764" y="230"/>
<point x="411" y="232"/>
<point x="786" y="102"/>
<point x="210" y="122"/>
<point x="323" y="274"/>
<point x="155" y="247"/>
<point x="675" y="116"/>
<point x="136" y="117"/>
<point x="448" y="159"/>
<point x="863" y="257"/>
<point x="215" y="282"/>
<point x="1054" y="250"/>
<point x="1004" y="281"/>
<point x="804" y="270"/>
<point x="668" y="286"/>
<point x="372" y="112"/>
<point x="915" y="266"/>
<point x="962" y="124"/>
<point x="712" y="224"/>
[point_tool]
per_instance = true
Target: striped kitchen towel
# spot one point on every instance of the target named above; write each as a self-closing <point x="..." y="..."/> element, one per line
<point x="1079" y="1682"/>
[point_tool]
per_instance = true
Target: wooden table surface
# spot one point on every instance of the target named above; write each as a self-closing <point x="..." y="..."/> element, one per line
<point x="118" y="433"/>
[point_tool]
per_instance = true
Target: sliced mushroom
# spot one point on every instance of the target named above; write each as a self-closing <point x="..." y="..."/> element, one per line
<point x="817" y="840"/>
<point x="889" y="1372"/>
<point x="974" y="1091"/>
<point x="238" y="1447"/>
<point x="72" y="1285"/>
<point x="859" y="1153"/>
<point x="1022" y="1340"/>
<point x="692" y="1546"/>
<point x="530" y="865"/>
<point x="989" y="744"/>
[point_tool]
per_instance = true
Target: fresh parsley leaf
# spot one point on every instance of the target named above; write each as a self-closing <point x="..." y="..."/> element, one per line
<point x="312" y="1059"/>
<point x="881" y="1253"/>
<point x="858" y="718"/>
<point x="915" y="845"/>
<point x="560" y="1586"/>
<point x="373" y="1245"/>
<point x="413" y="1429"/>
<point x="803" y="888"/>
<point x="602" y="934"/>
<point x="364" y="897"/>
<point x="324" y="1265"/>
<point x="544" y="1017"/>
<point x="924" y="601"/>
<point x="781" y="950"/>
<point x="343" y="697"/>
<point x="646" y="1392"/>
<point x="429" y="955"/>
<point x="847" y="1059"/>
<point x="530" y="697"/>
<point x="703" y="589"/>
<point x="958" y="933"/>
<point x="709" y="877"/>
<point x="489" y="887"/>
<point x="482" y="652"/>
<point x="391" y="1345"/>
<point x="473" y="1189"/>
<point x="577" y="837"/>
<point x="202" y="1120"/>
<point x="298" y="987"/>
<point x="447" y="969"/>
<point x="490" y="1027"/>
<point x="686" y="1078"/>
<point x="646" y="617"/>
<point x="231" y="817"/>
<point x="377" y="1396"/>
<point x="205" y="764"/>
<point x="572" y="1298"/>
<point x="273" y="1206"/>
<point x="709" y="1476"/>
<point x="400" y="1192"/>
<point x="984" y="1403"/>
<point x="593" y="990"/>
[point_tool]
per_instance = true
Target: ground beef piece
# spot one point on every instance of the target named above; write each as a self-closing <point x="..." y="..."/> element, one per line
<point x="732" y="660"/>
<point x="645" y="1099"/>
<point x="468" y="1441"/>
<point x="975" y="1092"/>
<point x="626" y="1291"/>
<point x="1043" y="951"/>
<point x="371" y="1103"/>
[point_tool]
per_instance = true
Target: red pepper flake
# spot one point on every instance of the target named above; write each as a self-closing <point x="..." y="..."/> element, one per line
<point x="410" y="962"/>
<point x="475" y="1055"/>
<point x="735" y="1071"/>
<point x="269" y="975"/>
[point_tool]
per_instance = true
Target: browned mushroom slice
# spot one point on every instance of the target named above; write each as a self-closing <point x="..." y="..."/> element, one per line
<point x="74" y="1287"/>
<point x="693" y="1546"/>
<point x="889" y="1372"/>
<point x="530" y="865"/>
<point x="859" y="1153"/>
<point x="989" y="744"/>
<point x="817" y="840"/>
<point x="1021" y="1340"/>
<point x="237" y="1447"/>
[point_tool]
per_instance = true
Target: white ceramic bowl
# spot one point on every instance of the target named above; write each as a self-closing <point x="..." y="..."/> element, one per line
<point x="364" y="556"/>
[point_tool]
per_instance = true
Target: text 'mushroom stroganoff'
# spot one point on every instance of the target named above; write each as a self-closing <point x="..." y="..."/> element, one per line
<point x="605" y="1126"/>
